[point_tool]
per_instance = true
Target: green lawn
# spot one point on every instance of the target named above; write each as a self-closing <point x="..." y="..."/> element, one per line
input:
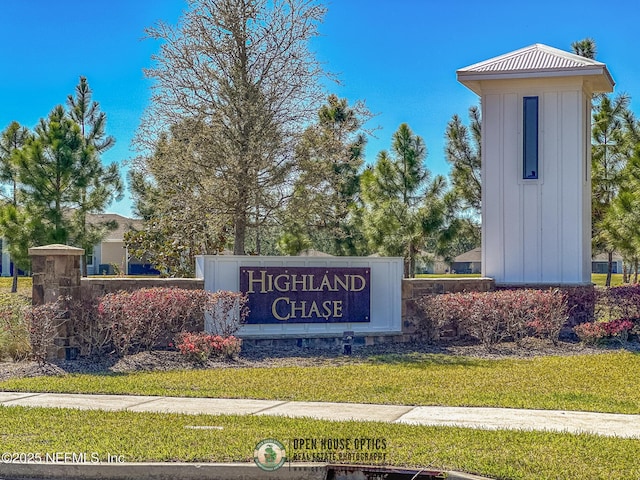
<point x="24" y="285"/>
<point x="600" y="383"/>
<point x="604" y="382"/>
<point x="600" y="279"/>
<point x="156" y="437"/>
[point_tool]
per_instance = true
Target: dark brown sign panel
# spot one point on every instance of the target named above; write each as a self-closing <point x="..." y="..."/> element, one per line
<point x="306" y="294"/>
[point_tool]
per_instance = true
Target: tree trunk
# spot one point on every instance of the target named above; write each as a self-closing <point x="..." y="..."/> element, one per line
<point x="239" y="234"/>
<point x="609" y="269"/>
<point x="14" y="283"/>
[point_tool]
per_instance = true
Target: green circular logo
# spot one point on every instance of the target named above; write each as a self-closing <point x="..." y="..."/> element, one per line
<point x="269" y="455"/>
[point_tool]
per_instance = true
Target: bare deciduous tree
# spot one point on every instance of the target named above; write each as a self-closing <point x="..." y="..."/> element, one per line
<point x="241" y="73"/>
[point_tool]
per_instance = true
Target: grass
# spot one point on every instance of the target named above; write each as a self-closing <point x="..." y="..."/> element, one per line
<point x="599" y="383"/>
<point x="24" y="283"/>
<point x="600" y="279"/>
<point x="166" y="438"/>
<point x="591" y="382"/>
<point x="24" y="286"/>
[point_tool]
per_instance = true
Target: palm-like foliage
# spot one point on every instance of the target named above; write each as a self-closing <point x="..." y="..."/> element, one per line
<point x="585" y="48"/>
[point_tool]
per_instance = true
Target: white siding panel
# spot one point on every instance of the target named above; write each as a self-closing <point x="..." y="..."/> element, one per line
<point x="531" y="238"/>
<point x="571" y="202"/>
<point x="585" y="154"/>
<point x="512" y="200"/>
<point x="492" y="174"/>
<point x="551" y="189"/>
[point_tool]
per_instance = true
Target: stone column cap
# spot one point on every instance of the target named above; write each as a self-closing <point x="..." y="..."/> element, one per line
<point x="56" y="249"/>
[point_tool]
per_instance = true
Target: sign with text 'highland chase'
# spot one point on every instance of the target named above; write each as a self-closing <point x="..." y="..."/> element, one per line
<point x="306" y="294"/>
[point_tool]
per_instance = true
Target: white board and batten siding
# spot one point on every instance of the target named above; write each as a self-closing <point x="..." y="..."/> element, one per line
<point x="222" y="272"/>
<point x="537" y="230"/>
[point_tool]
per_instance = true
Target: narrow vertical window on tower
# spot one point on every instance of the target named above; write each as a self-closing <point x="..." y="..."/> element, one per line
<point x="530" y="138"/>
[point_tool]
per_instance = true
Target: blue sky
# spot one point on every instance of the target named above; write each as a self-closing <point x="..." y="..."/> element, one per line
<point x="400" y="56"/>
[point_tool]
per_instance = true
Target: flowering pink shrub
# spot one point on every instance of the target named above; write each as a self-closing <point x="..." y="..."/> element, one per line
<point x="150" y="317"/>
<point x="199" y="347"/>
<point x="598" y="332"/>
<point x="590" y="332"/>
<point x="491" y="317"/>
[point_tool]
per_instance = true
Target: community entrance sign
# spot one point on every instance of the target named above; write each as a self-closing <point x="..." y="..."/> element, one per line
<point x="309" y="297"/>
<point x="306" y="294"/>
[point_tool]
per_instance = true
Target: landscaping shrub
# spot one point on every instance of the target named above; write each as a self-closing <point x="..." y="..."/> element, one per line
<point x="90" y="330"/>
<point x="620" y="302"/>
<point x="44" y="322"/>
<point x="199" y="347"/>
<point x="581" y="303"/>
<point x="593" y="333"/>
<point x="227" y="312"/>
<point x="150" y="317"/>
<point x="14" y="331"/>
<point x="491" y="317"/>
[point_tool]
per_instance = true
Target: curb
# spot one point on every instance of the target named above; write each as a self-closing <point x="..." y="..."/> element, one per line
<point x="203" y="471"/>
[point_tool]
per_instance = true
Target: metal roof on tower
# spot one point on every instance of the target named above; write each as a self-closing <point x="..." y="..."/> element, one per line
<point x="537" y="60"/>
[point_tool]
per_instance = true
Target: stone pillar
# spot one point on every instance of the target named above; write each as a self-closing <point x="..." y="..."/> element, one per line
<point x="56" y="273"/>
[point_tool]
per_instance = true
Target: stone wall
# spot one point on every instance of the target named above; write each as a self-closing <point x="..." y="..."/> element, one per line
<point x="56" y="273"/>
<point x="414" y="288"/>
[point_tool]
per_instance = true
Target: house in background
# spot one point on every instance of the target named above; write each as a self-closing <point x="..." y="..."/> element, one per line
<point x="600" y="263"/>
<point x="106" y="258"/>
<point x="110" y="256"/>
<point x="434" y="264"/>
<point x="471" y="262"/>
<point x="468" y="262"/>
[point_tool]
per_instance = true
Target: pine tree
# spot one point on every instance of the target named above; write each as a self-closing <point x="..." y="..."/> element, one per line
<point x="96" y="185"/>
<point x="17" y="228"/>
<point x="404" y="207"/>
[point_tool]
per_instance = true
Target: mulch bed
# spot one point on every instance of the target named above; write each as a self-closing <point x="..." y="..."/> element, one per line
<point x="279" y="356"/>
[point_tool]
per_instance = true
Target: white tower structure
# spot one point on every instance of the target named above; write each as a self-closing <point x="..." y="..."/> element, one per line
<point x="536" y="163"/>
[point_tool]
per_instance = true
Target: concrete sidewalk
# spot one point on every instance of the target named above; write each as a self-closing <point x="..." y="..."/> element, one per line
<point x="625" y="426"/>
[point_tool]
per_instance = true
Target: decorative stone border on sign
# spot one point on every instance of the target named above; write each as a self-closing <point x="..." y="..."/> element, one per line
<point x="56" y="273"/>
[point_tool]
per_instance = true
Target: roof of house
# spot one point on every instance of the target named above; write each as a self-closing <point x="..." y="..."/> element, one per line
<point x="310" y="252"/>
<point x="604" y="257"/>
<point x="474" y="255"/>
<point x="124" y="224"/>
<point x="537" y="60"/>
